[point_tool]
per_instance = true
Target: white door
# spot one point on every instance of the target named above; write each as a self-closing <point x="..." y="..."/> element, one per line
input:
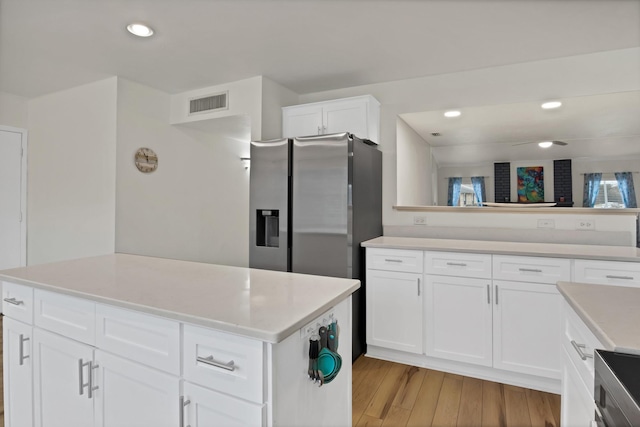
<point x="527" y="328"/>
<point x="18" y="373"/>
<point x="394" y="310"/>
<point x="59" y="396"/>
<point x="302" y="121"/>
<point x="208" y="408"/>
<point x="459" y="319"/>
<point x="133" y="395"/>
<point x="347" y="116"/>
<point x="12" y="194"/>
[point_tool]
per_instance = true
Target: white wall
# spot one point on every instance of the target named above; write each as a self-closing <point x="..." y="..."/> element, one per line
<point x="414" y="167"/>
<point x="72" y="167"/>
<point x="195" y="206"/>
<point x="274" y="97"/>
<point x="13" y="110"/>
<point x="533" y="81"/>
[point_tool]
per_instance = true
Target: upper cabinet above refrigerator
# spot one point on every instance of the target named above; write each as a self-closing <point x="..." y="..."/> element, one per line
<point x="359" y="115"/>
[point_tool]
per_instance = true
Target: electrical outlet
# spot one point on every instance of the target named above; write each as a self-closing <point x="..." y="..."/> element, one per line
<point x="419" y="220"/>
<point x="546" y="223"/>
<point x="585" y="224"/>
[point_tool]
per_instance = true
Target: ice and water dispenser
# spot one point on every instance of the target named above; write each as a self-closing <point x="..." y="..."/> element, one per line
<point x="268" y="228"/>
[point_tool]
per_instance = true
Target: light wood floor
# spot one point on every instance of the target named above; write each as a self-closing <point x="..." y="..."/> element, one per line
<point x="391" y="394"/>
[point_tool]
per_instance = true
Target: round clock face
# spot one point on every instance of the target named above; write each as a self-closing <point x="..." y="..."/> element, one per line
<point x="146" y="160"/>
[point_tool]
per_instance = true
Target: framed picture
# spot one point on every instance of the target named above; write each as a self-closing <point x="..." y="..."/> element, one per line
<point x="531" y="184"/>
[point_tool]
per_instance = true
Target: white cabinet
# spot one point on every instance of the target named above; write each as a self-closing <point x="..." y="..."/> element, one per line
<point x="358" y="115"/>
<point x="206" y="408"/>
<point x="526" y="328"/>
<point x="607" y="272"/>
<point x="63" y="381"/>
<point x="394" y="310"/>
<point x="133" y="395"/>
<point x="578" y="407"/>
<point x="17" y="369"/>
<point x="458" y="319"/>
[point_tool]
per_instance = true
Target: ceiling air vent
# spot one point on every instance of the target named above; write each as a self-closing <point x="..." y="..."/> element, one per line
<point x="209" y="103"/>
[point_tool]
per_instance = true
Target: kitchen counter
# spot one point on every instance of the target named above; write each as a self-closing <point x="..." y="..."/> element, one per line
<point x="262" y="304"/>
<point x="610" y="312"/>
<point x="609" y="253"/>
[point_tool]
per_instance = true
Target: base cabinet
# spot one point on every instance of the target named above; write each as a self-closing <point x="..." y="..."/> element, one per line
<point x="206" y="408"/>
<point x="578" y="408"/>
<point x="17" y="370"/>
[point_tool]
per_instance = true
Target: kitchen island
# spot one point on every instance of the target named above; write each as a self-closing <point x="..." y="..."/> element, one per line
<point x="121" y="340"/>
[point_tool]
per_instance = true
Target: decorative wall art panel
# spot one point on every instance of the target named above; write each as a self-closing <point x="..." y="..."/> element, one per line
<point x="531" y="184"/>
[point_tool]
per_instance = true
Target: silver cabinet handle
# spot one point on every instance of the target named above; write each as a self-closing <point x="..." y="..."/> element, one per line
<point x="182" y="404"/>
<point x="392" y="260"/>
<point x="578" y="348"/>
<point x="81" y="382"/>
<point x="89" y="384"/>
<point x="324" y="129"/>
<point x="531" y="270"/>
<point x="418" y="286"/>
<point x="496" y="294"/>
<point x="609" y="276"/>
<point x="92" y="388"/>
<point x="488" y="294"/>
<point x="209" y="360"/>
<point x="319" y="130"/>
<point x="457" y="264"/>
<point x="21" y="355"/>
<point x="14" y="301"/>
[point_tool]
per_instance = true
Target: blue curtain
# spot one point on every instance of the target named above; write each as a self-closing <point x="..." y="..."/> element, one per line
<point x="478" y="189"/>
<point x="453" y="197"/>
<point x="627" y="190"/>
<point x="591" y="188"/>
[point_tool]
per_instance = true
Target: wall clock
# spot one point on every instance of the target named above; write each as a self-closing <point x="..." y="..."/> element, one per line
<point x="146" y="160"/>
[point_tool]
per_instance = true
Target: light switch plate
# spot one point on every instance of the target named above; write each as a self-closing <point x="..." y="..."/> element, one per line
<point x="546" y="223"/>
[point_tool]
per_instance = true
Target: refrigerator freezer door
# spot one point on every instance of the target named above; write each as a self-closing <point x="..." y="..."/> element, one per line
<point x="320" y="205"/>
<point x="269" y="203"/>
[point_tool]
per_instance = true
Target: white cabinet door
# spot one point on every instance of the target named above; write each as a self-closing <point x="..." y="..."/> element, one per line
<point x="302" y="121"/>
<point x="18" y="373"/>
<point x="394" y="310"/>
<point x="133" y="395"/>
<point x="459" y="319"/>
<point x="207" y="408"/>
<point x="59" y="374"/>
<point x="527" y="328"/>
<point x="578" y="407"/>
<point x="346" y="116"/>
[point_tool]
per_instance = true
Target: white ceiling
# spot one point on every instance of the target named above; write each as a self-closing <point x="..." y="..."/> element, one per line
<point x="306" y="45"/>
<point x="598" y="126"/>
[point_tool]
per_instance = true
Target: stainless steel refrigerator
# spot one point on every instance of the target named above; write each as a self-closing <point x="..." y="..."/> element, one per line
<point x="313" y="200"/>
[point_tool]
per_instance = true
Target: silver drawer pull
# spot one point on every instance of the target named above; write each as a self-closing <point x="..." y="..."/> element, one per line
<point x="457" y="264"/>
<point x="209" y="360"/>
<point x="14" y="301"/>
<point x="578" y="348"/>
<point x="530" y="270"/>
<point x="392" y="260"/>
<point x="609" y="276"/>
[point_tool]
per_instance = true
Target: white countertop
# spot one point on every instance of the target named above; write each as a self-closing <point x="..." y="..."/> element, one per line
<point x="262" y="304"/>
<point x="611" y="312"/>
<point x="609" y="253"/>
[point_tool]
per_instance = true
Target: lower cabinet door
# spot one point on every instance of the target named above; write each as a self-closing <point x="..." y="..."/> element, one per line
<point x="394" y="310"/>
<point x="61" y="381"/>
<point x="18" y="373"/>
<point x="459" y="319"/>
<point x="207" y="408"/>
<point x="133" y="395"/>
<point x="527" y="330"/>
<point x="578" y="407"/>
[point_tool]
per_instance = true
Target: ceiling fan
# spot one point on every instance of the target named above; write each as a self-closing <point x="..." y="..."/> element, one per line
<point x="543" y="144"/>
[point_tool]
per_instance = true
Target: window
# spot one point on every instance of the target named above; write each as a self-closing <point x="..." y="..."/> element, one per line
<point x="609" y="195"/>
<point x="467" y="195"/>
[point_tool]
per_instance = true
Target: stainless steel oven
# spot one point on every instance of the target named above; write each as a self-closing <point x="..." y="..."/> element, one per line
<point x="617" y="389"/>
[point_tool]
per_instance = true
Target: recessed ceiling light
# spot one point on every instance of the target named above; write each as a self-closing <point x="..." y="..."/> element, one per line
<point x="545" y="144"/>
<point x="140" y="30"/>
<point x="453" y="113"/>
<point x="551" y="104"/>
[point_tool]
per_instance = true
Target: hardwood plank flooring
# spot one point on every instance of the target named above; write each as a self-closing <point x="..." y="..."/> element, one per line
<point x="387" y="394"/>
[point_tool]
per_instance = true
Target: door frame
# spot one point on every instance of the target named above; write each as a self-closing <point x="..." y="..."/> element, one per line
<point x="23" y="190"/>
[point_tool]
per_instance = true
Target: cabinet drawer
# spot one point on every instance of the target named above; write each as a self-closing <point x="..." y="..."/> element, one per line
<point x="458" y="264"/>
<point x="17" y="302"/>
<point x="144" y="338"/>
<point x="71" y="317"/>
<point x="607" y="272"/>
<point x="394" y="260"/>
<point x="208" y="408"/>
<point x="224" y="362"/>
<point x="574" y="329"/>
<point x="531" y="269"/>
